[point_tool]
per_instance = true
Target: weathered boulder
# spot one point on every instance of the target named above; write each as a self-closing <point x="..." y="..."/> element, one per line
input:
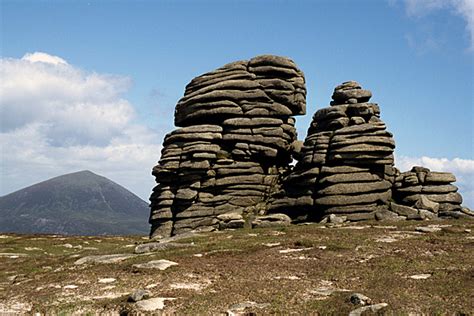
<point x="403" y="210"/>
<point x="273" y="220"/>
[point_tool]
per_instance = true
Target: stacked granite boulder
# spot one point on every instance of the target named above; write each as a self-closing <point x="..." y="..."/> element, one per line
<point x="346" y="163"/>
<point x="424" y="194"/>
<point x="236" y="137"/>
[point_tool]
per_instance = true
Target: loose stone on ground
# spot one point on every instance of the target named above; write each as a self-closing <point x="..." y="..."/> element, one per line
<point x="161" y="264"/>
<point x="153" y="304"/>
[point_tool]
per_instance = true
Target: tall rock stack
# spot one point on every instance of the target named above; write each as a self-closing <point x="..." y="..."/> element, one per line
<point x="236" y="136"/>
<point x="346" y="163"/>
<point x="424" y="194"/>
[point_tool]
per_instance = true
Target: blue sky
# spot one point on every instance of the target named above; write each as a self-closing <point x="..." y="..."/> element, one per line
<point x="123" y="65"/>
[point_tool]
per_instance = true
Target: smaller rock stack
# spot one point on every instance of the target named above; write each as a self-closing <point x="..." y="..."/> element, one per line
<point x="346" y="164"/>
<point x="424" y="194"/>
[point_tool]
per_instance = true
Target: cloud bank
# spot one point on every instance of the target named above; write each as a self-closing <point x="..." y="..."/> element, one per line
<point x="57" y="118"/>
<point x="463" y="169"/>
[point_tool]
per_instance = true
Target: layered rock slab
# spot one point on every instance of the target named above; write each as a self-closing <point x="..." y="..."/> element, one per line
<point x="235" y="138"/>
<point x="346" y="163"/>
<point x="423" y="190"/>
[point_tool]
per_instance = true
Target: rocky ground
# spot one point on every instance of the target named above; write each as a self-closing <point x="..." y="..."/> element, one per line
<point x="393" y="268"/>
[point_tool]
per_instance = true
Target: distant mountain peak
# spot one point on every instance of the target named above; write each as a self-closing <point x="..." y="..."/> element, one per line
<point x="81" y="202"/>
<point x="84" y="172"/>
<point x="80" y="173"/>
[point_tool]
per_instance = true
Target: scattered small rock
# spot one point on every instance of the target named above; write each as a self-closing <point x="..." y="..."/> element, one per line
<point x="356" y="227"/>
<point x="15" y="308"/>
<point x="360" y="299"/>
<point x="104" y="258"/>
<point x="271" y="220"/>
<point x="420" y="276"/>
<point x="427" y="215"/>
<point x="387" y="239"/>
<point x="90" y="248"/>
<point x="138" y="295"/>
<point x="325" y="290"/>
<point x="12" y="255"/>
<point x="294" y="250"/>
<point x="177" y="237"/>
<point x="188" y="286"/>
<point x="153" y="304"/>
<point x="157" y="246"/>
<point x="323" y="293"/>
<point x="291" y="277"/>
<point x="386" y="215"/>
<point x="277" y="233"/>
<point x="161" y="264"/>
<point x="334" y="219"/>
<point x="107" y="280"/>
<point x="428" y="229"/>
<point x="238" y="309"/>
<point x="467" y="211"/>
<point x="32" y="248"/>
<point x="383" y="226"/>
<point x="12" y="278"/>
<point x="272" y="244"/>
<point x="372" y="308"/>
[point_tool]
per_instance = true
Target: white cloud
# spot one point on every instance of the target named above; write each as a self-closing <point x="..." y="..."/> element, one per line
<point x="72" y="106"/>
<point x="58" y="118"/>
<point x="44" y="58"/>
<point x="463" y="169"/>
<point x="421" y="7"/>
<point x="463" y="8"/>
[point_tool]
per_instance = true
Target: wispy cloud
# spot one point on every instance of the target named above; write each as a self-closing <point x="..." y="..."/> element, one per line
<point x="462" y="8"/>
<point x="58" y="118"/>
<point x="463" y="169"/>
<point x="465" y="8"/>
<point x="422" y="7"/>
